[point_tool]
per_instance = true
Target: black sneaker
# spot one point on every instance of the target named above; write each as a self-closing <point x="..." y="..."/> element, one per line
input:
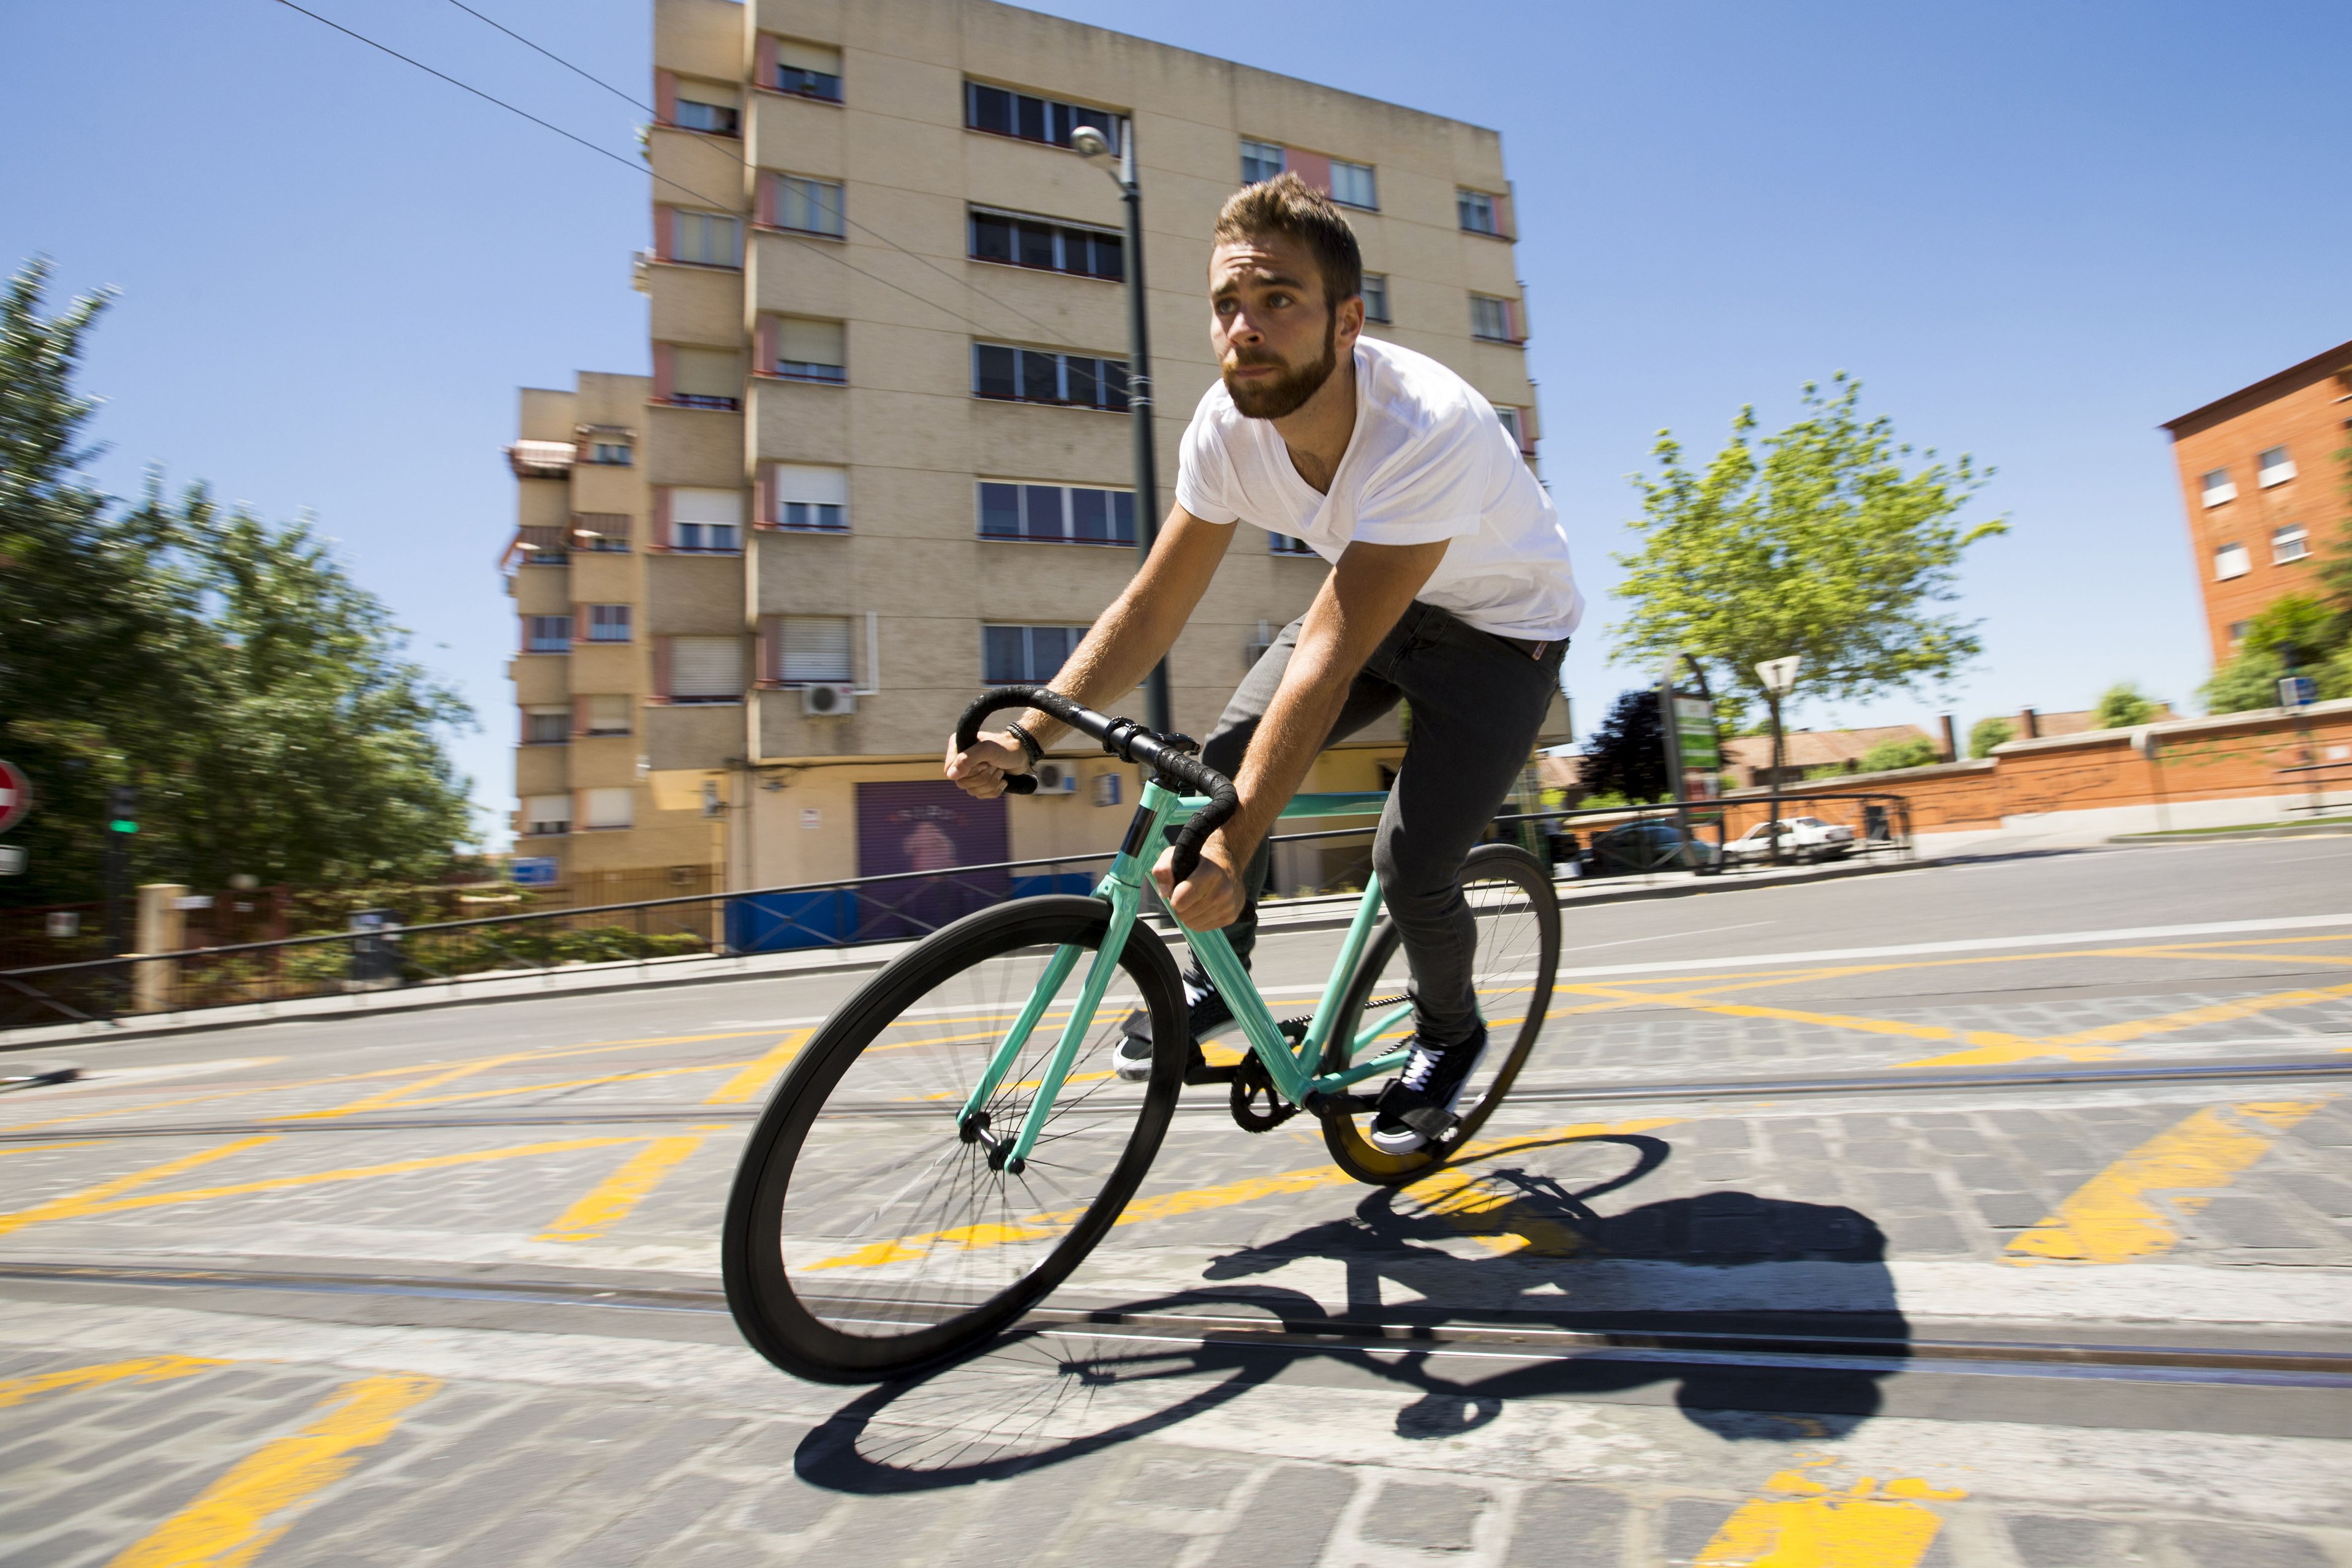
<point x="1132" y="1059"/>
<point x="1419" y="1105"/>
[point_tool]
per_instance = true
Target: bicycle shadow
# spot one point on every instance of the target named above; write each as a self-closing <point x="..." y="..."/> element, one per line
<point x="1682" y="1291"/>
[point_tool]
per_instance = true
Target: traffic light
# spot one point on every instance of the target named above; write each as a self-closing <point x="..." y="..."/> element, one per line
<point x="122" y="809"/>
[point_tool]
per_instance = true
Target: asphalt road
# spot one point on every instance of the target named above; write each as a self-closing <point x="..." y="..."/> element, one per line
<point x="1996" y="1212"/>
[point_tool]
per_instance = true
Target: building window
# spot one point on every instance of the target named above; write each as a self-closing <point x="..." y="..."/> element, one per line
<point x="2273" y="467"/>
<point x="545" y="814"/>
<point x="1475" y="209"/>
<point x="605" y="532"/>
<point x="706" y="522"/>
<point x="1260" y="161"/>
<point x="705" y="378"/>
<point x="1376" y="297"/>
<point x="807" y="70"/>
<point x="697" y="114"/>
<point x="609" y="623"/>
<point x="1491" y="319"/>
<point x="1003" y="112"/>
<point x="547" y="634"/>
<point x="2216" y="488"/>
<point x="609" y="714"/>
<point x="810" y="350"/>
<point x="1073" y="515"/>
<point x="2289" y="542"/>
<point x="706" y="239"/>
<point x="1352" y="185"/>
<point x="546" y="726"/>
<point x="1510" y="421"/>
<point x="2238" y="630"/>
<point x="706" y="669"/>
<point x="809" y="497"/>
<point x="1018" y="239"/>
<point x="1038" y="375"/>
<point x="616" y="453"/>
<point x="1025" y="655"/>
<point x="1287" y="545"/>
<point x="807" y="207"/>
<point x="2231" y="560"/>
<point x="610" y="809"/>
<point x="813" y="650"/>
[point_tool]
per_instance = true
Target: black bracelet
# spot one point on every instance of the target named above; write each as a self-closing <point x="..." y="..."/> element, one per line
<point x="1029" y="746"/>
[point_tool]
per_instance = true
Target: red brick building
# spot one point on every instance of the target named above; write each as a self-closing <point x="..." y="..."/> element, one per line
<point x="2262" y="473"/>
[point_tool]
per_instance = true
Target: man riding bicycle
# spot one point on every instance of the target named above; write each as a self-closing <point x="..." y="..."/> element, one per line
<point x="1450" y="589"/>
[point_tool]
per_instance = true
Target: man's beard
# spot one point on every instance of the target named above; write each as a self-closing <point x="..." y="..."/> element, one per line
<point x="1288" y="393"/>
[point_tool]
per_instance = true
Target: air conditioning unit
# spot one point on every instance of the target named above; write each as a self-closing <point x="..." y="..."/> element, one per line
<point x="1057" y="778"/>
<point x="830" y="700"/>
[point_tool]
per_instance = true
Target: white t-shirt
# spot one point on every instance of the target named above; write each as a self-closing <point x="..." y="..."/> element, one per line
<point x="1428" y="460"/>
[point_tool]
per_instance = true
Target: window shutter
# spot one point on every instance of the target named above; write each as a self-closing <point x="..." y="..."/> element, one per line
<point x="664" y="372"/>
<point x="808" y="342"/>
<point x="662" y="538"/>
<point x="815" y="647"/>
<point x="763" y="346"/>
<point x="706" y="667"/>
<point x="705" y="373"/>
<point x="822" y="485"/>
<point x="764" y="54"/>
<point x="665" y="97"/>
<point x="661" y="669"/>
<point x="819" y="57"/>
<point x="1312" y="167"/>
<point x="770" y="648"/>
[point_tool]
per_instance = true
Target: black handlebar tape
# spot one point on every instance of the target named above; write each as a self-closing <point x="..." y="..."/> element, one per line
<point x="1125" y="738"/>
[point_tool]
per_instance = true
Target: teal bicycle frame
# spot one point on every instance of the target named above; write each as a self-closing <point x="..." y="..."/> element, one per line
<point x="1291" y="1068"/>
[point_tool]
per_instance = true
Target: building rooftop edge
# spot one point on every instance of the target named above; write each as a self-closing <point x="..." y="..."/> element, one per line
<point x="2341" y="354"/>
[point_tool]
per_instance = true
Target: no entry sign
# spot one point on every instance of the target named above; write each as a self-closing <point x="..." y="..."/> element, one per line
<point x="15" y="795"/>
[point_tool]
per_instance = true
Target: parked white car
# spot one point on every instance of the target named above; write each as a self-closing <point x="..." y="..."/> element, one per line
<point x="1802" y="838"/>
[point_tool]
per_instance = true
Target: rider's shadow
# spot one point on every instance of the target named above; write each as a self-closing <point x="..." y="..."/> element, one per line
<point x="1774" y="1318"/>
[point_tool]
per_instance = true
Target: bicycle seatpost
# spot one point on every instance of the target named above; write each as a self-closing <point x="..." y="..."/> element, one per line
<point x="1167" y="755"/>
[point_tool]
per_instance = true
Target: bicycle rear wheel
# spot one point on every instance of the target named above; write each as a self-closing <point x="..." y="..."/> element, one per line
<point x="866" y="1237"/>
<point x="1511" y="897"/>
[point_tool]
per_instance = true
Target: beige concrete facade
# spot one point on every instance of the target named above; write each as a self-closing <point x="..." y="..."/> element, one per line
<point x="782" y="119"/>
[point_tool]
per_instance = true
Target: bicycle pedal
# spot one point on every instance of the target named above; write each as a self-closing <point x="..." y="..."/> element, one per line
<point x="1206" y="1074"/>
<point x="1343" y="1104"/>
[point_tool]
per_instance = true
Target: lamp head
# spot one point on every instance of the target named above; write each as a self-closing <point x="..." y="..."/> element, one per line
<point x="1090" y="142"/>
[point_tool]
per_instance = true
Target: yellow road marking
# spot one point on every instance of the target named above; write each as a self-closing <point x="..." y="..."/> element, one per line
<point x="144" y="1369"/>
<point x="608" y="1203"/>
<point x="90" y="1202"/>
<point x="1498" y="1218"/>
<point x="1167" y="1206"/>
<point x="2088" y="1045"/>
<point x="754" y="1080"/>
<point x="2111" y="1219"/>
<point x="228" y="1524"/>
<point x="38" y="1148"/>
<point x="1866" y="1526"/>
<point x="104" y="1197"/>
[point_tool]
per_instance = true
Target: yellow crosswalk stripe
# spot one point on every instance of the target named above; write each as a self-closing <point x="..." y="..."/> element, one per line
<point x="754" y="1080"/>
<point x="608" y="1203"/>
<point x="1808" y="1525"/>
<point x="140" y="1369"/>
<point x="107" y="1195"/>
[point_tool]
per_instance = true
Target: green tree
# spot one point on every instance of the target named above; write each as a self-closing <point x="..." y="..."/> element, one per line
<point x="2293" y="626"/>
<point x="2122" y="706"/>
<point x="1987" y="733"/>
<point x="1915" y="752"/>
<point x="1626" y="756"/>
<point x="231" y="670"/>
<point x="1816" y="541"/>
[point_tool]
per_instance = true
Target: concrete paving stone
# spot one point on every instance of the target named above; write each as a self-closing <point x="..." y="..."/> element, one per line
<point x="505" y="1482"/>
<point x="2326" y="1193"/>
<point x="1194" y="1481"/>
<point x="57" y="1551"/>
<point x="1854" y="1129"/>
<point x="2227" y="1546"/>
<point x="2252" y="1222"/>
<point x="1808" y="1182"/>
<point x="2010" y="1211"/>
<point x="121" y="1490"/>
<point x="1954" y="1141"/>
<point x="1714" y="1167"/>
<point x="1882" y="1154"/>
<point x="1435" y="1518"/>
<point x="677" y="1509"/>
<point x="1558" y="1524"/>
<point x="1717" y="1134"/>
<point x="1925" y="1118"/>
<point x="1987" y="1174"/>
<point x="532" y="1537"/>
<point x="1119" y="1545"/>
<point x="352" y="1510"/>
<point x="2045" y="1541"/>
<point x="1930" y="1234"/>
<point x="783" y="1504"/>
<point x="1904" y="1189"/>
<point x="1685" y="1527"/>
<point x="1796" y="1144"/>
<point x="1291" y="1535"/>
<point x="2058" y="1156"/>
<point x="30" y="1453"/>
<point x="727" y="1552"/>
<point x="2326" y="1131"/>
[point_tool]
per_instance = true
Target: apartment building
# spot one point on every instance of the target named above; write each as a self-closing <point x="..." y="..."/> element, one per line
<point x="883" y="458"/>
<point x="2263" y="476"/>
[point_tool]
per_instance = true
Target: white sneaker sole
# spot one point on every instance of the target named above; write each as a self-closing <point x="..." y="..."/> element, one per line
<point x="1404" y="1140"/>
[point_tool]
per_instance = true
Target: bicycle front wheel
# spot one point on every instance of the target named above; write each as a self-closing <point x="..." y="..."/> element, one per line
<point x="1511" y="897"/>
<point x="866" y="1235"/>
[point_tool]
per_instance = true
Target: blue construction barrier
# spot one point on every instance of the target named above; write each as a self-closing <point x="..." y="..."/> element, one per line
<point x="1079" y="882"/>
<point x="778" y="922"/>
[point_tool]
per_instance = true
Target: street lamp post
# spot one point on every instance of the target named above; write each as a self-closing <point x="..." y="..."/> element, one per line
<point x="1779" y="678"/>
<point x="1091" y="143"/>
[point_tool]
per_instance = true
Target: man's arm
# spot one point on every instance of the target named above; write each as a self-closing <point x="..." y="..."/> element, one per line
<point x="1357" y="605"/>
<point x="1127" y="639"/>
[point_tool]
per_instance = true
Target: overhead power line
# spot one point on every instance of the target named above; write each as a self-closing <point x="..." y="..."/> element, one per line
<point x="640" y="167"/>
<point x="559" y="59"/>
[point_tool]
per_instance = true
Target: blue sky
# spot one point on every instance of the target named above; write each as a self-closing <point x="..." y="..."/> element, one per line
<point x="2032" y="231"/>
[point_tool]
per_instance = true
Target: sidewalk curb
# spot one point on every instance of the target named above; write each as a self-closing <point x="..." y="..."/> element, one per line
<point x="2226" y="834"/>
<point x="1337" y="913"/>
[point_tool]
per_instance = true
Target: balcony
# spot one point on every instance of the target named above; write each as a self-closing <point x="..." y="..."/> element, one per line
<point x="542" y="460"/>
<point x="605" y="532"/>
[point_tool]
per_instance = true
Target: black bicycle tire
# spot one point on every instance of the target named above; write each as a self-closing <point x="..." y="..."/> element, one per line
<point x="760" y="1294"/>
<point x="1349" y="1148"/>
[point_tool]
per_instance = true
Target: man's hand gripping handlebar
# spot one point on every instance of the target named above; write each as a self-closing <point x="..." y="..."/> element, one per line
<point x="1167" y="755"/>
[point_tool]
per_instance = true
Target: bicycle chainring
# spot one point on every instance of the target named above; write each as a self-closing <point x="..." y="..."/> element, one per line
<point x="1256" y="1106"/>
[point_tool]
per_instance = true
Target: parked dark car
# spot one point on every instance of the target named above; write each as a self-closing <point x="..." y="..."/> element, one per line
<point x="1651" y="843"/>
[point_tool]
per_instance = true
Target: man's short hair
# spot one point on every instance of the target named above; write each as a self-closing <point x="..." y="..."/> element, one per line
<point x="1289" y="207"/>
